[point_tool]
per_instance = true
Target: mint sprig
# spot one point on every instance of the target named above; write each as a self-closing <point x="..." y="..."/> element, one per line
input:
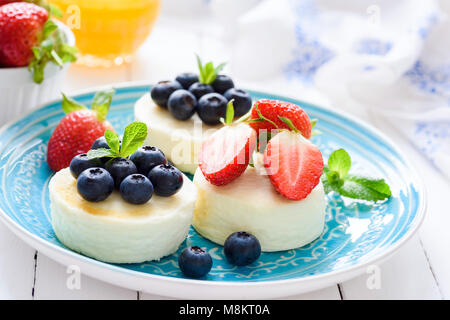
<point x="208" y="72"/>
<point x="229" y="114"/>
<point x="133" y="137"/>
<point x="52" y="48"/>
<point x="336" y="178"/>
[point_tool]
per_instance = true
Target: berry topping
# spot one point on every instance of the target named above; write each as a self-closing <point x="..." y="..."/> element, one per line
<point x="225" y="155"/>
<point x="294" y="164"/>
<point x="166" y="179"/>
<point x="182" y="104"/>
<point x="186" y="79"/>
<point x="81" y="162"/>
<point x="146" y="158"/>
<point x="199" y="89"/>
<point x="242" y="248"/>
<point x="211" y="107"/>
<point x="271" y="112"/>
<point x="242" y="101"/>
<point x="100" y="143"/>
<point x="161" y="92"/>
<point x="120" y="168"/>
<point x="95" y="184"/>
<point x="195" y="262"/>
<point x="78" y="130"/>
<point x="222" y="83"/>
<point x="136" y="189"/>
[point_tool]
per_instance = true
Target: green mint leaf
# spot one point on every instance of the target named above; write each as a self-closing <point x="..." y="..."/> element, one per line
<point x="113" y="141"/>
<point x="207" y="72"/>
<point x="289" y="123"/>
<point x="101" y="102"/>
<point x="133" y="137"/>
<point x="101" y="153"/>
<point x="313" y="123"/>
<point x="56" y="58"/>
<point x="54" y="11"/>
<point x="69" y="105"/>
<point x="315" y="132"/>
<point x="230" y="112"/>
<point x="53" y="48"/>
<point x="340" y="162"/>
<point x="363" y="188"/>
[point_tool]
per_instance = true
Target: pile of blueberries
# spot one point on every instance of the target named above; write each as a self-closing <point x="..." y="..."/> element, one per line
<point x="147" y="171"/>
<point x="186" y="95"/>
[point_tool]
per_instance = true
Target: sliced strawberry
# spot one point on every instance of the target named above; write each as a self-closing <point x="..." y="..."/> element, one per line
<point x="225" y="155"/>
<point x="294" y="165"/>
<point x="273" y="110"/>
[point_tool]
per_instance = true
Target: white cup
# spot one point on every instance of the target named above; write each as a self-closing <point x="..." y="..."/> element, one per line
<point x="19" y="93"/>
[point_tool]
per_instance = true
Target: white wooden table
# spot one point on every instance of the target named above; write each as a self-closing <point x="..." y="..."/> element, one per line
<point x="419" y="270"/>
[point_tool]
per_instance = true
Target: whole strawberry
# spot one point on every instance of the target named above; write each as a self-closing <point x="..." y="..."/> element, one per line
<point x="78" y="130"/>
<point x="270" y="115"/>
<point x="21" y="29"/>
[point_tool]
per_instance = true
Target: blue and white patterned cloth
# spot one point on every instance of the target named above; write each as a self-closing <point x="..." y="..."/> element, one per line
<point x="390" y="58"/>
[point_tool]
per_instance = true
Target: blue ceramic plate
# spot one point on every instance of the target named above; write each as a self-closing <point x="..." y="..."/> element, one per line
<point x="356" y="233"/>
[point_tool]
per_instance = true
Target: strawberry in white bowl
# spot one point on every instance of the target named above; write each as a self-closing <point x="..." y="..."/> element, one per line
<point x="279" y="198"/>
<point x="34" y="54"/>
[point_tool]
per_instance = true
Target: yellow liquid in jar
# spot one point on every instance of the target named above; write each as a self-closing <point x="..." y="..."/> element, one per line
<point x="108" y="32"/>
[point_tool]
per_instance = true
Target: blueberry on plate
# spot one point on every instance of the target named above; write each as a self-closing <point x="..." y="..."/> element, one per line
<point x="166" y="179"/>
<point x="161" y="92"/>
<point x="211" y="107"/>
<point x="242" y="101"/>
<point x="222" y="83"/>
<point x="186" y="79"/>
<point x="136" y="189"/>
<point x="199" y="89"/>
<point x="242" y="248"/>
<point x="146" y="158"/>
<point x="95" y="184"/>
<point x="182" y="104"/>
<point x="81" y="162"/>
<point x="120" y="168"/>
<point x="194" y="262"/>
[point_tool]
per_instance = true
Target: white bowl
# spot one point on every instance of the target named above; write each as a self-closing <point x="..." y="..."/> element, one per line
<point x="19" y="93"/>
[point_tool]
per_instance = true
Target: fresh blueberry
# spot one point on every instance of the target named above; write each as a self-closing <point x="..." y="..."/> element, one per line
<point x="145" y="158"/>
<point x="242" y="101"/>
<point x="136" y="189"/>
<point x="161" y="92"/>
<point x="100" y="143"/>
<point x="222" y="83"/>
<point x="81" y="162"/>
<point x="199" y="89"/>
<point x="182" y="104"/>
<point x="186" y="79"/>
<point x="211" y="107"/>
<point x="95" y="184"/>
<point x="120" y="168"/>
<point x="194" y="262"/>
<point x="166" y="179"/>
<point x="242" y="248"/>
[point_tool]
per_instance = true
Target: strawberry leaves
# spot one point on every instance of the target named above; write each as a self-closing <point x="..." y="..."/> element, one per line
<point x="208" y="72"/>
<point x="102" y="101"/>
<point x="52" y="48"/>
<point x="100" y="104"/>
<point x="336" y="178"/>
<point x="133" y="137"/>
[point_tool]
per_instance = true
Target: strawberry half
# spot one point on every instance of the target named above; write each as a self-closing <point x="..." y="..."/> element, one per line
<point x="225" y="155"/>
<point x="273" y="110"/>
<point x="78" y="130"/>
<point x="294" y="165"/>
